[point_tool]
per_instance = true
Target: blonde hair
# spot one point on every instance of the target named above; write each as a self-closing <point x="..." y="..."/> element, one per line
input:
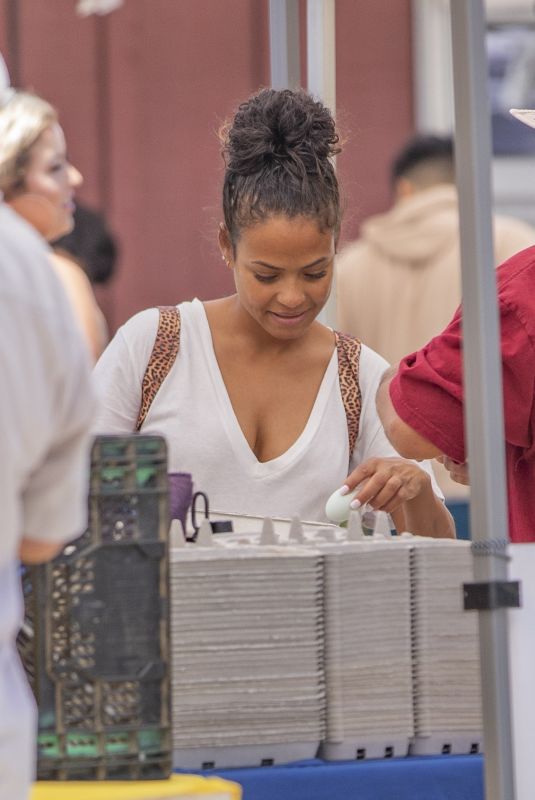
<point x="23" y="118"/>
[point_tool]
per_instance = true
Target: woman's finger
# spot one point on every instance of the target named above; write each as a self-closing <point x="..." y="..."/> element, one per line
<point x="391" y="492"/>
<point x="363" y="471"/>
<point x="369" y="489"/>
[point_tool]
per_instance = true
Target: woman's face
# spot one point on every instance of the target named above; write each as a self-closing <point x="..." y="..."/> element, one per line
<point x="47" y="199"/>
<point x="283" y="268"/>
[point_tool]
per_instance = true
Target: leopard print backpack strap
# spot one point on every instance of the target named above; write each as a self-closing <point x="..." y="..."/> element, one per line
<point x="348" y="349"/>
<point x="161" y="359"/>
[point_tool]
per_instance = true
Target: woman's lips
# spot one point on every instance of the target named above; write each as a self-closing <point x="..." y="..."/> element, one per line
<point x="289" y="319"/>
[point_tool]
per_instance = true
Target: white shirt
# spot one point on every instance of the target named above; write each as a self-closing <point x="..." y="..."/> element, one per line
<point x="193" y="411"/>
<point x="46" y="406"/>
<point x="46" y="409"/>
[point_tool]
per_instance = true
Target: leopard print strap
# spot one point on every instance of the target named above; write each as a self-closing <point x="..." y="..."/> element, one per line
<point x="161" y="359"/>
<point x="165" y="351"/>
<point x="348" y="349"/>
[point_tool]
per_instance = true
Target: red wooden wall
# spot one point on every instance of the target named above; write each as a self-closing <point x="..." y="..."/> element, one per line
<point x="142" y="93"/>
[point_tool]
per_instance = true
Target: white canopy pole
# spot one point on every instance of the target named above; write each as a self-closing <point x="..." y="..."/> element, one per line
<point x="483" y="385"/>
<point x="321" y="51"/>
<point x="284" y="44"/>
<point x="321" y="82"/>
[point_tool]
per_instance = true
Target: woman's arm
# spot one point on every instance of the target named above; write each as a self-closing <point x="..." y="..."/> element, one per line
<point x="425" y="515"/>
<point x="387" y="481"/>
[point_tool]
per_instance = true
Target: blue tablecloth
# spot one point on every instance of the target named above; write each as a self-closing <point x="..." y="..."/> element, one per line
<point x="413" y="778"/>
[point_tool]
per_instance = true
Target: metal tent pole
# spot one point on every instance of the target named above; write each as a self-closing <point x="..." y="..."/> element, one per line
<point x="321" y="82"/>
<point x="321" y="51"/>
<point x="321" y="66"/>
<point x="482" y="376"/>
<point x="284" y="44"/>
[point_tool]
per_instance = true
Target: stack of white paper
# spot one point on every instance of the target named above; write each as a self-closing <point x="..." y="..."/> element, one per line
<point x="367" y="650"/>
<point x="447" y="687"/>
<point x="247" y="642"/>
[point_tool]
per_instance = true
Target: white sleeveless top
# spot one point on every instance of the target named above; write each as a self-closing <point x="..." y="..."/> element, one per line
<point x="193" y="411"/>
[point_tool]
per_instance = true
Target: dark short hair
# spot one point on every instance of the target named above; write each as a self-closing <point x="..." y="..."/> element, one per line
<point x="422" y="149"/>
<point x="91" y="244"/>
<point x="278" y="155"/>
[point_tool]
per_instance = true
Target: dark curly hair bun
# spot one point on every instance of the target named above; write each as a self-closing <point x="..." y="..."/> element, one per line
<point x="277" y="125"/>
<point x="278" y="153"/>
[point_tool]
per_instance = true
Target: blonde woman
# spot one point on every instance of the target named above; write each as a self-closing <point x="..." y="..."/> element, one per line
<point x="38" y="182"/>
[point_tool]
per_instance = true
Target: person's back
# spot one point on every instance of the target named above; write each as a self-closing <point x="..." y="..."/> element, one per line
<point x="399" y="284"/>
<point x="46" y="407"/>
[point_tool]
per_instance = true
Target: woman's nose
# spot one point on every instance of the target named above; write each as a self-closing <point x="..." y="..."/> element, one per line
<point x="75" y="177"/>
<point x="291" y="296"/>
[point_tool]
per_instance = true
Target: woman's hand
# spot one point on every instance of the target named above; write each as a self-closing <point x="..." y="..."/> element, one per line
<point x="403" y="490"/>
<point x="387" y="483"/>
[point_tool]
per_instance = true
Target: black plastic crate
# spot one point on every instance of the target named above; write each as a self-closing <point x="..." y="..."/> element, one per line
<point x="95" y="641"/>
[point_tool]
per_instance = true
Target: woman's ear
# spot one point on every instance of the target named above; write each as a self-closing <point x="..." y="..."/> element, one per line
<point x="225" y="245"/>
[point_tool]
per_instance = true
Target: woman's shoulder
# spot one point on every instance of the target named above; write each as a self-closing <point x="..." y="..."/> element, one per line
<point x="141" y="324"/>
<point x="73" y="279"/>
<point x="68" y="269"/>
<point x="369" y="360"/>
<point x="372" y="359"/>
<point x="372" y="367"/>
<point x="140" y="330"/>
<point x="80" y="292"/>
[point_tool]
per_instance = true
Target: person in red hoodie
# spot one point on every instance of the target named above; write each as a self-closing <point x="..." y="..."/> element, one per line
<point x="420" y="402"/>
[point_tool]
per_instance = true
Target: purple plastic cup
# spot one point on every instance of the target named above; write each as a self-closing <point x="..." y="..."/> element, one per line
<point x="180" y="496"/>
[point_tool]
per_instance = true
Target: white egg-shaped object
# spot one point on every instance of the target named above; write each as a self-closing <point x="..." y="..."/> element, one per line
<point x="337" y="506"/>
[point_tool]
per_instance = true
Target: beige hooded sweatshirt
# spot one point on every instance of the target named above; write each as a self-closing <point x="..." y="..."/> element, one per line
<point x="400" y="283"/>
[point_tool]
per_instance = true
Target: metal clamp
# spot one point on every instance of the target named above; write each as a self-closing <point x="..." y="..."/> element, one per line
<point x="491" y="547"/>
<point x="491" y="595"/>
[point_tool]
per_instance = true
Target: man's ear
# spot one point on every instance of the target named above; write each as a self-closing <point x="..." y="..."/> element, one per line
<point x="225" y="245"/>
<point x="403" y="188"/>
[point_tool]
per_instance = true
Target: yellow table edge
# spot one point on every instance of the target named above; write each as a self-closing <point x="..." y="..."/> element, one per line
<point x="180" y="787"/>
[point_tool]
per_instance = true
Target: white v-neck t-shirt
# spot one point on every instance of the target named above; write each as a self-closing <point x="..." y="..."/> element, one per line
<point x="193" y="411"/>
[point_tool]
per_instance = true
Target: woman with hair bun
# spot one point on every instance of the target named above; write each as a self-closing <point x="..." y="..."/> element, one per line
<point x="38" y="182"/>
<point x="270" y="410"/>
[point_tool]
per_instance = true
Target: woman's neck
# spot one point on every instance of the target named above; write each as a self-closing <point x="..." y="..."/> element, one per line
<point x="232" y="325"/>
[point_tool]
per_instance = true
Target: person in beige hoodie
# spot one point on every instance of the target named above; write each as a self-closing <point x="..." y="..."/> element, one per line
<point x="400" y="283"/>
